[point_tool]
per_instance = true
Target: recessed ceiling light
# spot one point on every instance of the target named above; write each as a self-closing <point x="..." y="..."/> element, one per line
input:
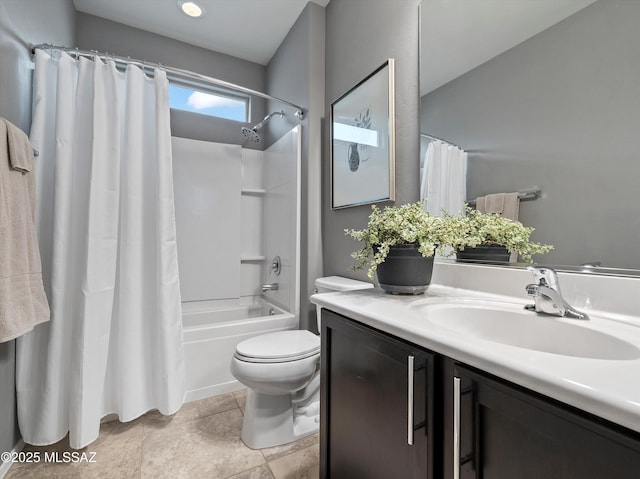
<point x="191" y="8"/>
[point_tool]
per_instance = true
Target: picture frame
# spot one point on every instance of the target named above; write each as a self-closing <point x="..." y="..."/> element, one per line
<point x="363" y="141"/>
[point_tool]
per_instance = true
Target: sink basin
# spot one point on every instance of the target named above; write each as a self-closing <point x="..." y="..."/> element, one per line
<point x="510" y="324"/>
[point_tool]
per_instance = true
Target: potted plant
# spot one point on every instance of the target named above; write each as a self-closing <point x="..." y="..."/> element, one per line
<point x="399" y="243"/>
<point x="490" y="237"/>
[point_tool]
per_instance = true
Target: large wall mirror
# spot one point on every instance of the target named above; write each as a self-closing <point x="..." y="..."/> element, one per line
<point x="544" y="95"/>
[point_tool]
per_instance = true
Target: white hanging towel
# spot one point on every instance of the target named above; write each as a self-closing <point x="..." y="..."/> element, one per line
<point x="506" y="205"/>
<point x="23" y="303"/>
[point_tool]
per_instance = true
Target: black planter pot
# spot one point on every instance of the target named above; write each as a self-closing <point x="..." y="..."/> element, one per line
<point x="486" y="252"/>
<point x="405" y="270"/>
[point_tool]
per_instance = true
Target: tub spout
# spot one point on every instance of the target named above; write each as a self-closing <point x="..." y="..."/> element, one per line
<point x="269" y="287"/>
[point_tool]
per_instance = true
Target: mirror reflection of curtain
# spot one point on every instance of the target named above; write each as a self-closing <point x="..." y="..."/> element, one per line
<point x="443" y="179"/>
<point x="107" y="226"/>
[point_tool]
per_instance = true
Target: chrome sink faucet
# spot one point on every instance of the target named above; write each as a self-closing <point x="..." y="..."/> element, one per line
<point x="547" y="296"/>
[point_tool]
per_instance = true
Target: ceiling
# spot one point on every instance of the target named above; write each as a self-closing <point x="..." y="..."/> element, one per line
<point x="248" y="29"/>
<point x="459" y="35"/>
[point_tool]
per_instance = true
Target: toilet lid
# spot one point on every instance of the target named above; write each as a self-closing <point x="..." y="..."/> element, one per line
<point x="280" y="346"/>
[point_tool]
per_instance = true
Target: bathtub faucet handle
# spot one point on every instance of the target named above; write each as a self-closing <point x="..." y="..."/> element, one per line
<point x="276" y="265"/>
<point x="269" y="287"/>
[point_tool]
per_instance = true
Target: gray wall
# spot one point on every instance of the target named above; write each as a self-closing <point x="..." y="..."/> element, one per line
<point x="296" y="73"/>
<point x="23" y="22"/>
<point x="361" y="35"/>
<point x="104" y="35"/>
<point x="560" y="111"/>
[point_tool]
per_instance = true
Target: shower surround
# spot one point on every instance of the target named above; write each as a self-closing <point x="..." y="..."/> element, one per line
<point x="236" y="209"/>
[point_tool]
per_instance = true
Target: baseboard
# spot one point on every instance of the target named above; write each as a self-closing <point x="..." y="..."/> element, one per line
<point x="5" y="466"/>
<point x="209" y="391"/>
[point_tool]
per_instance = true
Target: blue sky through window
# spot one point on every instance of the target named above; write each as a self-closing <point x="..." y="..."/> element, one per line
<point x="187" y="99"/>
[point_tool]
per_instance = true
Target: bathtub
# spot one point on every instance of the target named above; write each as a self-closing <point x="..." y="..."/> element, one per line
<point x="211" y="331"/>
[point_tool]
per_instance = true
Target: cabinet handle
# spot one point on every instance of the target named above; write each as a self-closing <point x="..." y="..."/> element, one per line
<point x="456" y="428"/>
<point x="410" y="363"/>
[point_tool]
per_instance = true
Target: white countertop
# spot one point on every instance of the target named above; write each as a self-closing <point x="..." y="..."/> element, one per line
<point x="607" y="388"/>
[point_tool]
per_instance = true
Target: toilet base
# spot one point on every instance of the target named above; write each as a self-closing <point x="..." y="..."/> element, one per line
<point x="272" y="420"/>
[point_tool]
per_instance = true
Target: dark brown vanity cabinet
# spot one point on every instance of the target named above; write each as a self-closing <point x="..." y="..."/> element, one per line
<point x="392" y="410"/>
<point x="507" y="432"/>
<point x="377" y="404"/>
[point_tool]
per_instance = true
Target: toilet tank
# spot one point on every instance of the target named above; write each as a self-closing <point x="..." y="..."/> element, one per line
<point x="337" y="283"/>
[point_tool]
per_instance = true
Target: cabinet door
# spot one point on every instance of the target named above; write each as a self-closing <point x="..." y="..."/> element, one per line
<point x="507" y="432"/>
<point x="376" y="399"/>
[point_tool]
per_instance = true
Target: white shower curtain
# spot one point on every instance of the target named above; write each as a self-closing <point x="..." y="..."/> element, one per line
<point x="107" y="230"/>
<point x="444" y="178"/>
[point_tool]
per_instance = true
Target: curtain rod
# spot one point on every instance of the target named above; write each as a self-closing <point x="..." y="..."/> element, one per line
<point x="439" y="139"/>
<point x="171" y="71"/>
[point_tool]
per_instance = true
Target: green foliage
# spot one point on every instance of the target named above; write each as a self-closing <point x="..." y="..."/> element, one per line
<point x="407" y="224"/>
<point x="410" y="224"/>
<point x="482" y="228"/>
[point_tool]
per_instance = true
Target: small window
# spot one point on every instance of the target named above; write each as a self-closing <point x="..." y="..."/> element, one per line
<point x="222" y="105"/>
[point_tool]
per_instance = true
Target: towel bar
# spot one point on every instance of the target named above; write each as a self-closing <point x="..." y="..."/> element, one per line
<point x="522" y="195"/>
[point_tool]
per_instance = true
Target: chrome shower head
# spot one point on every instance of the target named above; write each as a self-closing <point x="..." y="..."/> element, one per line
<point x="251" y="134"/>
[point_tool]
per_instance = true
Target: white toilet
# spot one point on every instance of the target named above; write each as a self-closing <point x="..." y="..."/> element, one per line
<point x="282" y="372"/>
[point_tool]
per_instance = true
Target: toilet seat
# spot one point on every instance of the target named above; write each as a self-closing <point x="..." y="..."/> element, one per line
<point x="279" y="347"/>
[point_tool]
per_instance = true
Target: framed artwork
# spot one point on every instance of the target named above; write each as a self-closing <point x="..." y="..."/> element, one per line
<point x="363" y="141"/>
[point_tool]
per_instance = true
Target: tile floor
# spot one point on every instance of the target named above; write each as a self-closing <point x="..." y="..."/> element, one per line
<point x="202" y="440"/>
